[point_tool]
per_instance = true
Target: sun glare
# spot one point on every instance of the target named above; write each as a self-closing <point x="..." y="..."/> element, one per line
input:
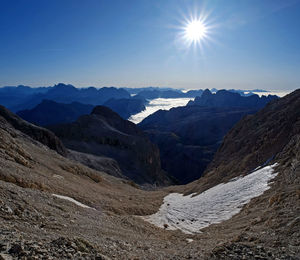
<point x="195" y="31"/>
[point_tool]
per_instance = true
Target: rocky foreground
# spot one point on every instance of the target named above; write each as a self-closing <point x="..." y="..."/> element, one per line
<point x="35" y="224"/>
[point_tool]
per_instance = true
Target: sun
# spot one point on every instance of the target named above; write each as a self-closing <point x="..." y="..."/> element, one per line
<point x="195" y="30"/>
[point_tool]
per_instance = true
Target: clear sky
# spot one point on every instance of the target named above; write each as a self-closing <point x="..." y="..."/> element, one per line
<point x="135" y="43"/>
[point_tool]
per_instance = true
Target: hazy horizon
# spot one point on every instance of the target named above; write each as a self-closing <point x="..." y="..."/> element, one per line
<point x="269" y="91"/>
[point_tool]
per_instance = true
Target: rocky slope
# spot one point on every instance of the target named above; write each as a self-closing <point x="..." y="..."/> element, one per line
<point x="50" y="112"/>
<point x="37" y="133"/>
<point x="101" y="163"/>
<point x="35" y="224"/>
<point x="105" y="133"/>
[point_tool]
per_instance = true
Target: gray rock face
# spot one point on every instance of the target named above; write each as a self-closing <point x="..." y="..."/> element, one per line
<point x="99" y="163"/>
<point x="105" y="133"/>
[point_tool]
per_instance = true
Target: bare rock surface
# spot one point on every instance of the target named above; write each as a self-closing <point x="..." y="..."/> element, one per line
<point x="99" y="163"/>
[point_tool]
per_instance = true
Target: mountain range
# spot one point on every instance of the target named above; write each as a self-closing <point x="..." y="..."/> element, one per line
<point x="225" y="98"/>
<point x="21" y="98"/>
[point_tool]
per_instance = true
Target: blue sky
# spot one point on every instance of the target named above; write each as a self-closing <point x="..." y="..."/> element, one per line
<point x="135" y="43"/>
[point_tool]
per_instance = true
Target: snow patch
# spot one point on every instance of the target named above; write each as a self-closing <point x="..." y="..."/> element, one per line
<point x="192" y="213"/>
<point x="71" y="200"/>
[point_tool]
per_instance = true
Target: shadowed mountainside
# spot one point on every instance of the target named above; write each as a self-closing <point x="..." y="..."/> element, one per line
<point x="105" y="133"/>
<point x="189" y="136"/>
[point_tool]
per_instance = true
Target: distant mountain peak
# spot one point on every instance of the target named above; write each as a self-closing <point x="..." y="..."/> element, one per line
<point x="206" y="93"/>
<point x="63" y="85"/>
<point x="225" y="98"/>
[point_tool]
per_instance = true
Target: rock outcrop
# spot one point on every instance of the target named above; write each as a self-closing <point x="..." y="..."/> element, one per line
<point x="105" y="133"/>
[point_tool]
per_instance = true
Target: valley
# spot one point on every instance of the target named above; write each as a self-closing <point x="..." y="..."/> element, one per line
<point x="65" y="196"/>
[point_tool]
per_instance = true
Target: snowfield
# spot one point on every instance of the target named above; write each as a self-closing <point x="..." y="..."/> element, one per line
<point x="191" y="214"/>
